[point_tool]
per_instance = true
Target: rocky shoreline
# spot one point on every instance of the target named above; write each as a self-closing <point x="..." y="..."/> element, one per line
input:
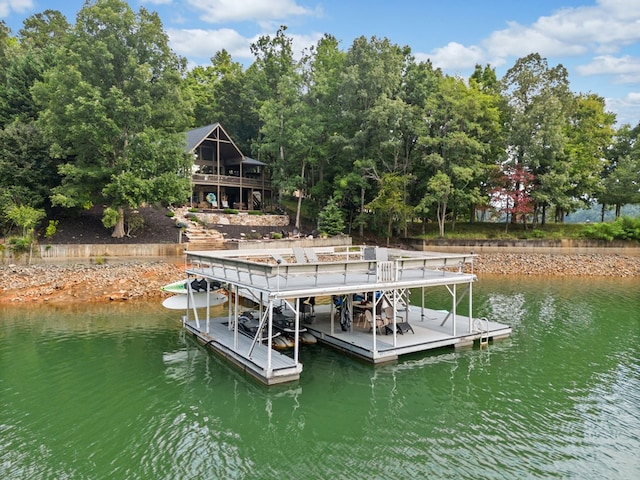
<point x="83" y="283"/>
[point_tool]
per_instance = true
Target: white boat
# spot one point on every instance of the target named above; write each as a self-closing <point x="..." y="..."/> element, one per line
<point x="196" y="300"/>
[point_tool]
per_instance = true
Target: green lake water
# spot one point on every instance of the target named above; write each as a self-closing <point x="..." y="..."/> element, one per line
<point x="120" y="392"/>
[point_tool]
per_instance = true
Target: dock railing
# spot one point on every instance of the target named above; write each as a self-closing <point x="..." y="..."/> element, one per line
<point x="277" y="268"/>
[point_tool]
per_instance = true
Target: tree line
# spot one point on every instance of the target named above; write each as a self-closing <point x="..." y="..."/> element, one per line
<point x="94" y="113"/>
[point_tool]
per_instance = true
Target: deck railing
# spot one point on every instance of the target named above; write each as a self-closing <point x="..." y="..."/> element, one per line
<point x="229" y="181"/>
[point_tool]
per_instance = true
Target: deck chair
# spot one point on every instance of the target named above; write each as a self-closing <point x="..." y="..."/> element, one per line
<point x="298" y="252"/>
<point x="401" y="327"/>
<point x="311" y="255"/>
<point x="379" y="321"/>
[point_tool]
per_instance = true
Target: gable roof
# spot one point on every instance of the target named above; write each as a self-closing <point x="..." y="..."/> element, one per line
<point x="215" y="136"/>
<point x="196" y="136"/>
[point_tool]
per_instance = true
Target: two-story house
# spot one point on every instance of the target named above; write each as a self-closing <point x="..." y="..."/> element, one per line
<point x="222" y="176"/>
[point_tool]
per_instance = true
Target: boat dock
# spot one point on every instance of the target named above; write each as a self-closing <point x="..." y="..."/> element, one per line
<point x="352" y="298"/>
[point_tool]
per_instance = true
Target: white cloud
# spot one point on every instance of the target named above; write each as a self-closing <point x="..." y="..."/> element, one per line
<point x="8" y="6"/>
<point x="219" y="11"/>
<point x="519" y="41"/>
<point x="627" y="108"/>
<point x="625" y="68"/>
<point x="158" y="2"/>
<point x="203" y="44"/>
<point x="454" y="56"/>
<point x="604" y="28"/>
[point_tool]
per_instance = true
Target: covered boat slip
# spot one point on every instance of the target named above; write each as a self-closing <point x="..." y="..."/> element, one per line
<point x="378" y="326"/>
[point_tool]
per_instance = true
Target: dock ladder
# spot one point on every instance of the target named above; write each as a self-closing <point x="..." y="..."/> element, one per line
<point x="482" y="325"/>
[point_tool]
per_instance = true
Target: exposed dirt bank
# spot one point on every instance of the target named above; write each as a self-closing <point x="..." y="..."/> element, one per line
<point x="142" y="280"/>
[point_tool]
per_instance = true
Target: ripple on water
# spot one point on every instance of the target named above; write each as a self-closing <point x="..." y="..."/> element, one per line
<point x="106" y="393"/>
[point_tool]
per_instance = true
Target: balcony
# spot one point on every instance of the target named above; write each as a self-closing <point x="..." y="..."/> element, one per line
<point x="229" y="181"/>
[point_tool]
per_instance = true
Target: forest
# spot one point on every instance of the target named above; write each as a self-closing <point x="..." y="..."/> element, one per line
<point x="93" y="113"/>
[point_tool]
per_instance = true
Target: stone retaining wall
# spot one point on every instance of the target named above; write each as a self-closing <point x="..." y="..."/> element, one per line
<point x="528" y="246"/>
<point x="243" y="218"/>
<point x="340" y="240"/>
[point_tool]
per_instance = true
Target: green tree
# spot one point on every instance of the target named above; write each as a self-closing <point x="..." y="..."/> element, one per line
<point x="373" y="72"/>
<point x="45" y="30"/>
<point x="114" y="109"/>
<point x="321" y="68"/>
<point x="27" y="218"/>
<point x="222" y="93"/>
<point x="589" y="135"/>
<point x="460" y="124"/>
<point x="286" y="126"/>
<point x="331" y="219"/>
<point x="621" y="176"/>
<point x="27" y="172"/>
<point x="390" y="201"/>
<point x="539" y="103"/>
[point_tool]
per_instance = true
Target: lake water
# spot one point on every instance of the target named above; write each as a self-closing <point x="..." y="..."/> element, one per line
<point x="119" y="392"/>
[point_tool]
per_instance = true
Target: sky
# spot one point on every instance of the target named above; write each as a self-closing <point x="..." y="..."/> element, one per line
<point x="597" y="41"/>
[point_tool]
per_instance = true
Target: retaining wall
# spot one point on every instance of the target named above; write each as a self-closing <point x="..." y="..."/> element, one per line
<point x="528" y="246"/>
<point x="339" y="240"/>
<point x="100" y="251"/>
<point x="106" y="253"/>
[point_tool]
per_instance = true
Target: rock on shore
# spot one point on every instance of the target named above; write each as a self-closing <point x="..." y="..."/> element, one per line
<point x="558" y="264"/>
<point x="142" y="280"/>
<point x="86" y="283"/>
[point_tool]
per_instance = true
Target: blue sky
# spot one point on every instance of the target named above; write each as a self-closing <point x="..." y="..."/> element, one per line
<point x="598" y="41"/>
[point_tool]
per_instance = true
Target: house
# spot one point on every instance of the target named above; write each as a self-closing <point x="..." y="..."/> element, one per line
<point x="222" y="176"/>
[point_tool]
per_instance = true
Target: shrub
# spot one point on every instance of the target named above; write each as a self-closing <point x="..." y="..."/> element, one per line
<point x="624" y="228"/>
<point x="255" y="212"/>
<point x="170" y="214"/>
<point x="536" y="233"/>
<point x="19" y="244"/>
<point x="193" y="209"/>
<point x="276" y="235"/>
<point x="51" y="228"/>
<point x="109" y="217"/>
<point x="230" y="211"/>
<point x="631" y="228"/>
<point x="135" y="222"/>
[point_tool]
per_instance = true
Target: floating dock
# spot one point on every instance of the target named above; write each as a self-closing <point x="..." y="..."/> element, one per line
<point x="352" y="298"/>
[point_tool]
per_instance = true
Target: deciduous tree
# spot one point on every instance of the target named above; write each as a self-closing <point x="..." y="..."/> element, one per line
<point x="114" y="110"/>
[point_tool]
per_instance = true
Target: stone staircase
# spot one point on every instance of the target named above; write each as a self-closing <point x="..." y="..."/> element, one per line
<point x="203" y="239"/>
<point x="197" y="237"/>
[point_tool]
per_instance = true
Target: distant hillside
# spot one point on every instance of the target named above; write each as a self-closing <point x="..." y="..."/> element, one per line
<point x="594" y="214"/>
